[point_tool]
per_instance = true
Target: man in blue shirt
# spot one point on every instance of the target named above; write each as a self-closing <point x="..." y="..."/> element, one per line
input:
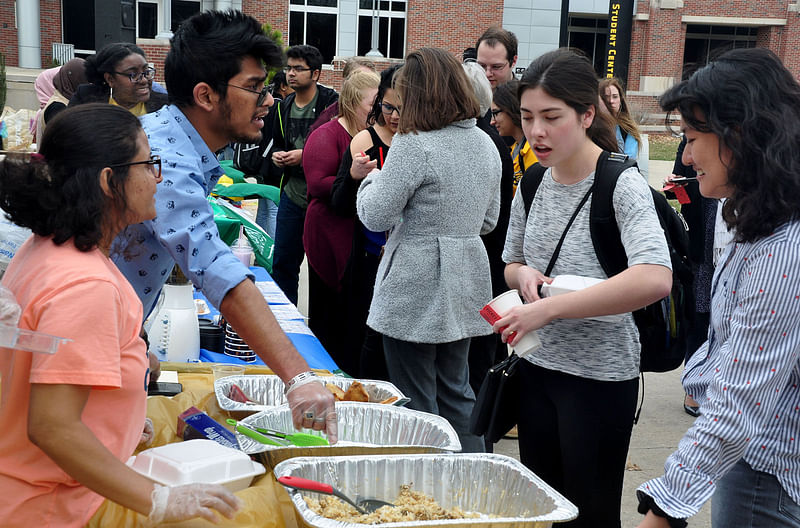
<point x="215" y="75"/>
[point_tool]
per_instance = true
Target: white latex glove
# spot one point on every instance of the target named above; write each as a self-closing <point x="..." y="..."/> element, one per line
<point x="9" y="309"/>
<point x="147" y="433"/>
<point x="179" y="503"/>
<point x="313" y="407"/>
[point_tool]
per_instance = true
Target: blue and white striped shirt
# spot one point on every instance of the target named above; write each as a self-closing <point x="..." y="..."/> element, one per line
<point x="746" y="377"/>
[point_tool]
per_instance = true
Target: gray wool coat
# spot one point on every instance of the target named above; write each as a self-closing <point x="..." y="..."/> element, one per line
<point x="438" y="192"/>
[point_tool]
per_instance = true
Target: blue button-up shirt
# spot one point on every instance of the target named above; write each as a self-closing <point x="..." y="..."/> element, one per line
<point x="183" y="231"/>
<point x="746" y="377"/>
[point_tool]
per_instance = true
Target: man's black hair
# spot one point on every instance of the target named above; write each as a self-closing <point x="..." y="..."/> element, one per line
<point x="310" y="54"/>
<point x="209" y="47"/>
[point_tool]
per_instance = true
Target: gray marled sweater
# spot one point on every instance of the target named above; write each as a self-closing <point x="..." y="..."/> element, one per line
<point x="438" y="191"/>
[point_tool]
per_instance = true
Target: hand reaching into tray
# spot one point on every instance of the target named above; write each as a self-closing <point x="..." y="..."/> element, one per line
<point x="312" y="407"/>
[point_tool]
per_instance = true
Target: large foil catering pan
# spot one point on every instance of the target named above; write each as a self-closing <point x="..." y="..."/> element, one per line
<point x="502" y="490"/>
<point x="364" y="428"/>
<point x="267" y="390"/>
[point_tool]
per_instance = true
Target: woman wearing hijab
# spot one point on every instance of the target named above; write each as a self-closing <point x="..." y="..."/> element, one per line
<point x="65" y="84"/>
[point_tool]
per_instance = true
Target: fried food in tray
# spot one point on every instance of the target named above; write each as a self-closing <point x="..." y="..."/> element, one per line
<point x="410" y="505"/>
<point x="355" y="392"/>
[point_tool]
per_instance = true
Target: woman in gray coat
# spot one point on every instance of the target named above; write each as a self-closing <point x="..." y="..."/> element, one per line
<point x="438" y="192"/>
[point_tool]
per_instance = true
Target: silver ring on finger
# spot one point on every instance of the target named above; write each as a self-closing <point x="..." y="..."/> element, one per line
<point x="308" y="415"/>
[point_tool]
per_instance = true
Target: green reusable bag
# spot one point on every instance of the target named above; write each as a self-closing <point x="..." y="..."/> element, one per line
<point x="228" y="219"/>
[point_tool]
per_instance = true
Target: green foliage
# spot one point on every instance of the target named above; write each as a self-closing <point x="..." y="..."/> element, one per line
<point x="2" y="81"/>
<point x="277" y="37"/>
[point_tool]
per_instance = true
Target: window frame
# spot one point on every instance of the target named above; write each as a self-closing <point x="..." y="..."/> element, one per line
<point x="306" y="9"/>
<point x="389" y="14"/>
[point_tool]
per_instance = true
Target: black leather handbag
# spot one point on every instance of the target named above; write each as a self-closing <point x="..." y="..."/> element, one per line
<point x="497" y="404"/>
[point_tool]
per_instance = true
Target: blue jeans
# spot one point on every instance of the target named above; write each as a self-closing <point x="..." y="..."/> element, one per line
<point x="288" y="254"/>
<point x="436" y="378"/>
<point x="267" y="216"/>
<point x="746" y="498"/>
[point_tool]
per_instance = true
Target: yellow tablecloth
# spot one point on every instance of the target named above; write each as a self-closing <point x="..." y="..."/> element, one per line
<point x="266" y="503"/>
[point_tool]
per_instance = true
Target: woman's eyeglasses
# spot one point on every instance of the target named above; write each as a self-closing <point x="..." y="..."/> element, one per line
<point x="147" y="73"/>
<point x="262" y="94"/>
<point x="154" y="162"/>
<point x="387" y="109"/>
<point x="495" y="112"/>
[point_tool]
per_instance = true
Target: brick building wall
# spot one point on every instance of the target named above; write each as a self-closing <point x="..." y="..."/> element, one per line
<point x="8" y="33"/>
<point x="156" y="52"/>
<point x="49" y="28"/>
<point x="453" y="26"/>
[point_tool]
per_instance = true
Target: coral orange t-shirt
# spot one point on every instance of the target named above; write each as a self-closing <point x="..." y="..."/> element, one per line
<point x="81" y="296"/>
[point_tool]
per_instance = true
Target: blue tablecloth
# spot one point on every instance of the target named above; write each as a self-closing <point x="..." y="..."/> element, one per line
<point x="306" y="343"/>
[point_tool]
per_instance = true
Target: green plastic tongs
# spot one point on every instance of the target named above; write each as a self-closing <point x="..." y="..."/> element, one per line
<point x="277" y="438"/>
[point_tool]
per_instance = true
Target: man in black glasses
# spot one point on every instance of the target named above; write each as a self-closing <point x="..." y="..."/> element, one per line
<point x="215" y="75"/>
<point x="297" y="113"/>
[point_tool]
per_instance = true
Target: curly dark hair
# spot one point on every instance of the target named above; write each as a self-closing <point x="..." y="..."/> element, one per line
<point x="60" y="195"/>
<point x="567" y="74"/>
<point x="751" y="102"/>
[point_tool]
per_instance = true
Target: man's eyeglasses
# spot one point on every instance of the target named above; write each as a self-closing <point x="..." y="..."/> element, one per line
<point x="387" y="109"/>
<point x="147" y="73"/>
<point x="262" y="94"/>
<point x="494" y="68"/>
<point x="154" y="162"/>
<point x="495" y="112"/>
<point x="296" y="69"/>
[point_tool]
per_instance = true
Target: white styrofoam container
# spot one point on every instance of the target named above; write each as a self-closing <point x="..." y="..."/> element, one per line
<point x="197" y="461"/>
<point x="570" y="283"/>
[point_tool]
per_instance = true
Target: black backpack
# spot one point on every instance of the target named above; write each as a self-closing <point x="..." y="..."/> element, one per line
<point x="663" y="326"/>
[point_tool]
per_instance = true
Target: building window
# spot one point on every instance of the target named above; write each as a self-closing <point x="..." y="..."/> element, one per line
<point x="149" y="15"/>
<point x="314" y="22"/>
<point x="146" y="19"/>
<point x="704" y="43"/>
<point x="591" y="36"/>
<point x="181" y="10"/>
<point x="391" y="27"/>
<point x="78" y="22"/>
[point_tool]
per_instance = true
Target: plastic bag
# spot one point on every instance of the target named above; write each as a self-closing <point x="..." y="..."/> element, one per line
<point x="11" y="238"/>
<point x="17" y="124"/>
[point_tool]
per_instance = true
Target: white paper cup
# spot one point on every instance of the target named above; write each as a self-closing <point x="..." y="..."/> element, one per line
<point x="498" y="307"/>
<point x="222" y="370"/>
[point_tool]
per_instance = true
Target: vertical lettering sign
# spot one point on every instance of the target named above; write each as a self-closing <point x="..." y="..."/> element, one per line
<point x="618" y="47"/>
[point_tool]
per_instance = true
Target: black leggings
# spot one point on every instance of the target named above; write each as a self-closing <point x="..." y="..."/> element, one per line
<point x="574" y="433"/>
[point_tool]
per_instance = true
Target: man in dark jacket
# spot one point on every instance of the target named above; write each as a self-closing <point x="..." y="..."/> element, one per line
<point x="297" y="113"/>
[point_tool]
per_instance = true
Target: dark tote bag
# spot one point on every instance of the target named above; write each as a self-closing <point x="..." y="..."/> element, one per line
<point x="497" y="404"/>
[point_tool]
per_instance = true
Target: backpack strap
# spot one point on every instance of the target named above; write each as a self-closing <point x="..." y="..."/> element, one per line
<point x="603" y="227"/>
<point x="529" y="184"/>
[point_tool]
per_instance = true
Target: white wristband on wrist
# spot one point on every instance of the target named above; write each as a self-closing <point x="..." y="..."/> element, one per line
<point x="301" y="379"/>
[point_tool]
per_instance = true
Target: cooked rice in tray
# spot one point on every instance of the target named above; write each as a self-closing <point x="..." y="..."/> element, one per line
<point x="410" y="505"/>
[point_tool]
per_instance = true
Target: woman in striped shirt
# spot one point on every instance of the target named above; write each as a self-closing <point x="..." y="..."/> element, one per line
<point x="741" y="117"/>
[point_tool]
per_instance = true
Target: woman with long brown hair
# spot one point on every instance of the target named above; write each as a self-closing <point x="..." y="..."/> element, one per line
<point x="437" y="192"/>
<point x="581" y="385"/>
<point x="629" y="139"/>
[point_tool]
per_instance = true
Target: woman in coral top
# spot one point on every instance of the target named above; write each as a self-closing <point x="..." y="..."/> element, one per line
<point x="70" y="420"/>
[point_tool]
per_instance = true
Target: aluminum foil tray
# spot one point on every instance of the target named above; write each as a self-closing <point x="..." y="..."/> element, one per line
<point x="267" y="390"/>
<point x="502" y="490"/>
<point x="364" y="428"/>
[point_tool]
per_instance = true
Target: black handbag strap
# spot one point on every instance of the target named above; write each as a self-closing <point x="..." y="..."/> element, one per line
<point x="557" y="250"/>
